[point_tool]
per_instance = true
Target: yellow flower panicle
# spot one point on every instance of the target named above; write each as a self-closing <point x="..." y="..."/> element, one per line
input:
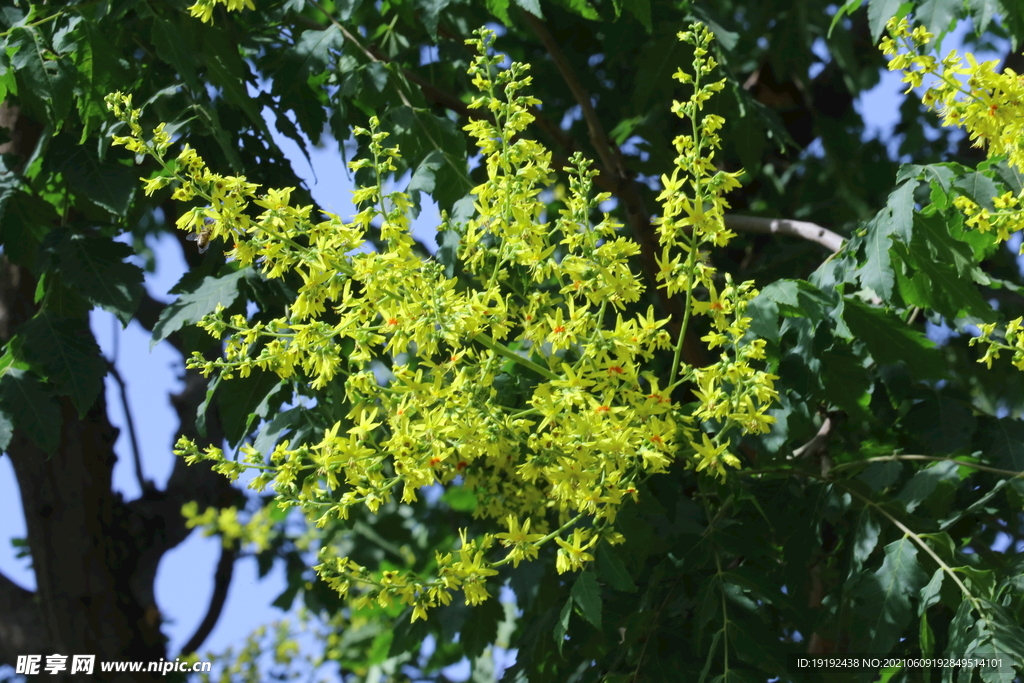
<point x="989" y="105"/>
<point x="203" y="9"/>
<point x="546" y="300"/>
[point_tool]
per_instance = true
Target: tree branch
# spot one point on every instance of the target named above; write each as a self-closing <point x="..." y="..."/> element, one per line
<point x="144" y="484"/>
<point x="782" y="226"/>
<point x="221" y="584"/>
<point x="21" y="624"/>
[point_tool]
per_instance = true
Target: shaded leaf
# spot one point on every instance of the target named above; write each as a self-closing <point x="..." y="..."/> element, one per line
<point x="587" y="596"/>
<point x="27" y="405"/>
<point x="884" y="597"/>
<point x="889" y="340"/>
<point x="191" y="306"/>
<point x="64" y="350"/>
<point x="95" y="268"/>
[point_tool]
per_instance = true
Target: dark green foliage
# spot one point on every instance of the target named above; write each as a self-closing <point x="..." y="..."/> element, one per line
<point x="807" y="548"/>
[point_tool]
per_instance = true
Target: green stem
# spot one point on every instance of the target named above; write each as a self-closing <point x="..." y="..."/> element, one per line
<point x="502" y="350"/>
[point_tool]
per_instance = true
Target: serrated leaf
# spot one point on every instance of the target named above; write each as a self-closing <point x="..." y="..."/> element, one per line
<point x="239" y="398"/>
<point x="313" y="49"/>
<point x="924" y="482"/>
<point x="943" y="174"/>
<point x="190" y="307"/>
<point x="30" y="408"/>
<point x="937" y="15"/>
<point x="64" y="350"/>
<point x="931" y="593"/>
<point x="613" y="570"/>
<point x="941" y="424"/>
<point x="982" y="12"/>
<point x="94" y="268"/>
<point x="106" y="184"/>
<point x="1002" y="443"/>
<point x="879" y="12"/>
<point x="884" y="597"/>
<point x="865" y="538"/>
<point x="844" y="379"/>
<point x="587" y="596"/>
<point x="481" y="627"/>
<point x="562" y="626"/>
<point x="429" y="12"/>
<point x="889" y="340"/>
<point x="51" y="80"/>
<point x="978" y="187"/>
<point x="173" y="47"/>
<point x="273" y="430"/>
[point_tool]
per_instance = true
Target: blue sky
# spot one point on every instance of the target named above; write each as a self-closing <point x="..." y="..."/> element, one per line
<point x="184" y="581"/>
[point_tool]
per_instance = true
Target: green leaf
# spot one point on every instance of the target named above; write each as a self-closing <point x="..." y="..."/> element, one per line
<point x="889" y="340"/>
<point x="106" y="184"/>
<point x="273" y="430"/>
<point x="499" y="8"/>
<point x="879" y="12"/>
<point x="531" y="6"/>
<point x="846" y="383"/>
<point x="926" y="637"/>
<point x="481" y="627"/>
<point x="429" y="12"/>
<point x="94" y="268"/>
<point x="884" y="598"/>
<point x="865" y="538"/>
<point x="924" y="482"/>
<point x="943" y="174"/>
<point x="227" y="71"/>
<point x="937" y="15"/>
<point x="51" y="80"/>
<point x="460" y="499"/>
<point x="798" y="298"/>
<point x="982" y="12"/>
<point x="1002" y="443"/>
<point x="978" y="187"/>
<point x="848" y="8"/>
<point x="562" y="627"/>
<point x="177" y="48"/>
<point x="314" y="48"/>
<point x="24" y="220"/>
<point x="641" y="9"/>
<point x="26" y="404"/>
<point x="64" y="350"/>
<point x="191" y="306"/>
<point x="613" y="570"/>
<point x="239" y="398"/>
<point x="941" y="424"/>
<point x="587" y="596"/>
<point x="931" y="593"/>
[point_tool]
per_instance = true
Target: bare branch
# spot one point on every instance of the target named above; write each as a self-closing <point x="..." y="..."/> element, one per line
<point x="221" y="584"/>
<point x="21" y="624"/>
<point x="144" y="484"/>
<point x="782" y="226"/>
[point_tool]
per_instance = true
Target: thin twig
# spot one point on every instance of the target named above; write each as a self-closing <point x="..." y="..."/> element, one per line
<point x="932" y="458"/>
<point x="783" y="226"/>
<point x="144" y="484"/>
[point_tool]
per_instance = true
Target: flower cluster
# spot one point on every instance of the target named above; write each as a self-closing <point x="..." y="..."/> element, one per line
<point x="545" y="302"/>
<point x="974" y="96"/>
<point x="988" y="105"/>
<point x="203" y="9"/>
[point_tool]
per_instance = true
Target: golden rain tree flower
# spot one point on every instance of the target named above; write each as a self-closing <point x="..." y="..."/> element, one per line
<point x="597" y="422"/>
<point x="989" y="105"/>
